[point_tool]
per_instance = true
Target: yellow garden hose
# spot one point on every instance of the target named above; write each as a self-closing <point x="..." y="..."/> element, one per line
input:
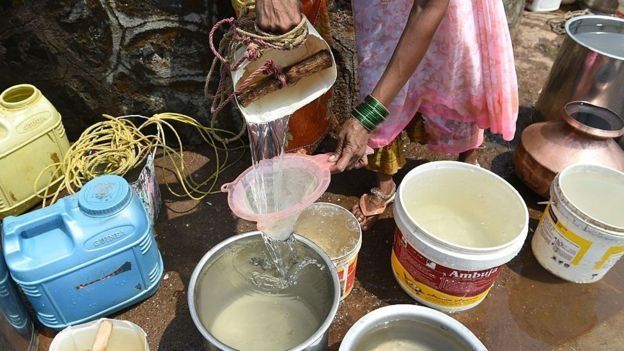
<point x="117" y="145"/>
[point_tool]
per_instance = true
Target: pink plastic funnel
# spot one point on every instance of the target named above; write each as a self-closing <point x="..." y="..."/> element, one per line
<point x="289" y="184"/>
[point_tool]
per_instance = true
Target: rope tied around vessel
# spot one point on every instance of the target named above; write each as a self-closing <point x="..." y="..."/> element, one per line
<point x="245" y="34"/>
<point x="557" y="24"/>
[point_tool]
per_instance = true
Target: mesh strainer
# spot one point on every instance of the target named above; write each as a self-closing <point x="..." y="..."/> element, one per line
<point x="289" y="185"/>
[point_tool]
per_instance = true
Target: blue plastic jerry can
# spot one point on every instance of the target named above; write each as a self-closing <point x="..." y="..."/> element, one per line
<point x="17" y="332"/>
<point x="87" y="256"/>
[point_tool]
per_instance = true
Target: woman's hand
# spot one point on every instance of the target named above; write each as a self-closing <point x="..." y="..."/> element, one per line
<point x="277" y="16"/>
<point x="351" y="149"/>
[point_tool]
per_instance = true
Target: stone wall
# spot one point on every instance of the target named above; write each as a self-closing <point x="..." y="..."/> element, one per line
<point x="91" y="57"/>
<point x="110" y="56"/>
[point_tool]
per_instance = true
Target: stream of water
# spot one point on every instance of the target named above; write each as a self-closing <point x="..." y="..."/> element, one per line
<point x="269" y="195"/>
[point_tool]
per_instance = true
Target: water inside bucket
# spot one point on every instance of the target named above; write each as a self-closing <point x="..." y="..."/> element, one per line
<point x="597" y="193"/>
<point x="463" y="206"/>
<point x="124" y="337"/>
<point x="120" y="340"/>
<point x="407" y="335"/>
<point x="604" y="42"/>
<point x="331" y="227"/>
<point x="245" y="314"/>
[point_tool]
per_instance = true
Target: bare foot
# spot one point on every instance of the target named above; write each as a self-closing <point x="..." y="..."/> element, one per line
<point x="470" y="156"/>
<point x="373" y="203"/>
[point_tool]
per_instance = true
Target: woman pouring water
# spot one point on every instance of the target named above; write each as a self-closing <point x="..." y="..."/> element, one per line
<point x="449" y="60"/>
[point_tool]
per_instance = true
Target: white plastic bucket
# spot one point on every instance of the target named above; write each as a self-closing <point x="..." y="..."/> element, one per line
<point x="342" y="246"/>
<point x="543" y="5"/>
<point x="126" y="336"/>
<point x="581" y="234"/>
<point x="425" y="324"/>
<point x="432" y="260"/>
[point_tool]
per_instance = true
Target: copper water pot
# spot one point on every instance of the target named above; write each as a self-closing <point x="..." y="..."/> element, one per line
<point x="583" y="135"/>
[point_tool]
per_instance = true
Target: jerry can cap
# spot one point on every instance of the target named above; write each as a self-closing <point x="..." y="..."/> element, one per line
<point x="104" y="196"/>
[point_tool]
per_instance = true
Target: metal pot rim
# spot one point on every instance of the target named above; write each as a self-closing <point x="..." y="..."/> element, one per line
<point x="572" y="36"/>
<point x="568" y="110"/>
<point x="202" y="263"/>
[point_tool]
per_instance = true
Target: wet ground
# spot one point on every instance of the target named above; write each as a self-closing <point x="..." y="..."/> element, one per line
<point x="527" y="309"/>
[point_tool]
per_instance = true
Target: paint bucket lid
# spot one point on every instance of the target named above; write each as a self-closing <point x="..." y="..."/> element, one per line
<point x="104" y="196"/>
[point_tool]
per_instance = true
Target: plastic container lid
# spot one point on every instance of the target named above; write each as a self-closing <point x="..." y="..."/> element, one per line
<point x="104" y="196"/>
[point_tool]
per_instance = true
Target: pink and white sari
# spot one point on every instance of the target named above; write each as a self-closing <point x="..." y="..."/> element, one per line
<point x="465" y="83"/>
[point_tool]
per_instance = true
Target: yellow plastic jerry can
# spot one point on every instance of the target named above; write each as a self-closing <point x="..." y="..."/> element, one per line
<point x="32" y="137"/>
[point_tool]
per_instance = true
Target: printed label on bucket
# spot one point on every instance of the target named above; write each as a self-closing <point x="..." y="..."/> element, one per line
<point x="435" y="283"/>
<point x="569" y="247"/>
<point x="346" y="276"/>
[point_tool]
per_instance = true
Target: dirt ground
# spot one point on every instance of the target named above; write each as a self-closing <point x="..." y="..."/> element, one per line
<point x="527" y="309"/>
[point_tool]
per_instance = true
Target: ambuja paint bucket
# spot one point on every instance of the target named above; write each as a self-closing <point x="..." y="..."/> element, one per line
<point x="457" y="224"/>
<point x="581" y="234"/>
<point x="124" y="336"/>
<point x="409" y="327"/>
<point x="335" y="230"/>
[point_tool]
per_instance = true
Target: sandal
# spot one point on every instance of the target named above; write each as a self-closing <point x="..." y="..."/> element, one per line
<point x="370" y="216"/>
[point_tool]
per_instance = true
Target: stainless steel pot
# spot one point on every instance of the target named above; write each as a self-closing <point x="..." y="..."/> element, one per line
<point x="586" y="69"/>
<point x="606" y="7"/>
<point x="316" y="342"/>
<point x="17" y="332"/>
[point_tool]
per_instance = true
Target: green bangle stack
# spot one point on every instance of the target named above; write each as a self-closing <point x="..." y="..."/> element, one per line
<point x="370" y="113"/>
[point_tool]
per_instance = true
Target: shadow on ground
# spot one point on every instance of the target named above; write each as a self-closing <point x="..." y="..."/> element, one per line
<point x="186" y="231"/>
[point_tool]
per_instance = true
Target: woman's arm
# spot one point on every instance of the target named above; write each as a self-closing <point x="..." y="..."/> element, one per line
<point x="277" y="16"/>
<point x="412" y="47"/>
<point x="422" y="24"/>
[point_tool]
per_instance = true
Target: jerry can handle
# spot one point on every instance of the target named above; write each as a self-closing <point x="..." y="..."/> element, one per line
<point x="10" y="239"/>
<point x="13" y="232"/>
<point x="5" y="131"/>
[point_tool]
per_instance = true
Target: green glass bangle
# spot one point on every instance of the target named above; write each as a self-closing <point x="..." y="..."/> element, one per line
<point x="366" y="119"/>
<point x="374" y="103"/>
<point x="369" y="123"/>
<point x="369" y="114"/>
<point x="370" y="111"/>
<point x="370" y="126"/>
<point x="364" y="124"/>
<point x="378" y="109"/>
